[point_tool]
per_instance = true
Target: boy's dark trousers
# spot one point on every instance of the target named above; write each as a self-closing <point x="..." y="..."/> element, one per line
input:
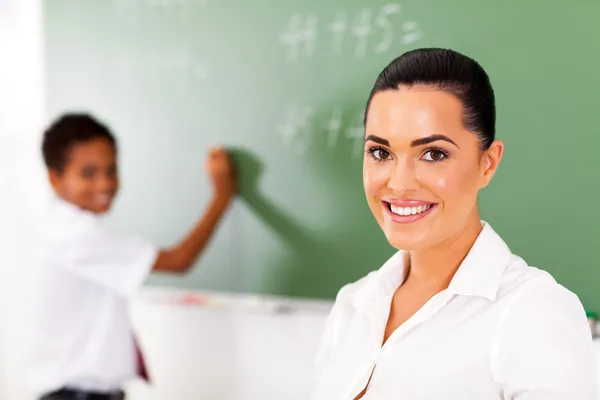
<point x="68" y="394"/>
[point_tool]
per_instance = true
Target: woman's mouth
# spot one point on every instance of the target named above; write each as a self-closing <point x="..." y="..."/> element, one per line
<point x="405" y="211"/>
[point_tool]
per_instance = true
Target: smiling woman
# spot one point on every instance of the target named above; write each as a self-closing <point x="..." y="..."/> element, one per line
<point x="453" y="314"/>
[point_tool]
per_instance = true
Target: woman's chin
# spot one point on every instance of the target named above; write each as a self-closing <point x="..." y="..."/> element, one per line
<point x="408" y="241"/>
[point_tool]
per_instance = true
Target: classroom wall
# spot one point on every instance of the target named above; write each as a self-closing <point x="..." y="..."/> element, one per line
<point x="22" y="190"/>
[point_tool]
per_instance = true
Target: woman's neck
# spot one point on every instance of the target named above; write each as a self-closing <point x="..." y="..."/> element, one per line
<point x="435" y="267"/>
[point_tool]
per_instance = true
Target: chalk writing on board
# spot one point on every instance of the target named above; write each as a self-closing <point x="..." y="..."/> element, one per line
<point x="302" y="129"/>
<point x="411" y="32"/>
<point x="137" y="11"/>
<point x="355" y="132"/>
<point x="337" y="28"/>
<point x="367" y="31"/>
<point x="295" y="130"/>
<point x="383" y="21"/>
<point x="333" y="127"/>
<point x="301" y="35"/>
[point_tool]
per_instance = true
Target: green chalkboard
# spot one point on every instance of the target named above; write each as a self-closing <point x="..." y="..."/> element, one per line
<point x="283" y="84"/>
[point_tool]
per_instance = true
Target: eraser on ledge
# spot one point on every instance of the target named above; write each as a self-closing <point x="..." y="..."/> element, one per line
<point x="193" y="298"/>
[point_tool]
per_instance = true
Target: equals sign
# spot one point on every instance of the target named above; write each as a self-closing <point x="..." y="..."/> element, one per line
<point x="411" y="32"/>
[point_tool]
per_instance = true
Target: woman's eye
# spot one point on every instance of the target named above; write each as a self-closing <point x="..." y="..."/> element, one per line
<point x="381" y="154"/>
<point x="434" y="155"/>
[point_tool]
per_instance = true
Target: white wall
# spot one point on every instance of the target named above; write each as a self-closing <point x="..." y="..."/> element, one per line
<point x="22" y="189"/>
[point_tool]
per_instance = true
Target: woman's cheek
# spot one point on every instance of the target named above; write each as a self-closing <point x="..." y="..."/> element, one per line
<point x="375" y="180"/>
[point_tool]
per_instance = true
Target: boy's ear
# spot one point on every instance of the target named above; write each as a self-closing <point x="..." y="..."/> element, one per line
<point x="54" y="177"/>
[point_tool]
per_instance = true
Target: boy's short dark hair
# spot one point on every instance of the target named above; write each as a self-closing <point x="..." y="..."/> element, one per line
<point x="68" y="130"/>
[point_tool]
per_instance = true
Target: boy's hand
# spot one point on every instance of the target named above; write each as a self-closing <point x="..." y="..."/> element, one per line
<point x="222" y="172"/>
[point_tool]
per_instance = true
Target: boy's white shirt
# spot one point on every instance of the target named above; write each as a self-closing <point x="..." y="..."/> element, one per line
<point x="82" y="332"/>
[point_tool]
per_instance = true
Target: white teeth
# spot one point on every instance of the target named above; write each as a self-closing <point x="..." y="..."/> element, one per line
<point x="409" y="210"/>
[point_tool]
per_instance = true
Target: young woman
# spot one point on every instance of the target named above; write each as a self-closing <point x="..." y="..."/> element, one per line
<point x="453" y="314"/>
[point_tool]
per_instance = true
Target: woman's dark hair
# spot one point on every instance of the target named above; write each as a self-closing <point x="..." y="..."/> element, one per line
<point x="68" y="130"/>
<point x="451" y="72"/>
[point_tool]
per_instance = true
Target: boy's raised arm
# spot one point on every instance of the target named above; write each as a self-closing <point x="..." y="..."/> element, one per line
<point x="181" y="257"/>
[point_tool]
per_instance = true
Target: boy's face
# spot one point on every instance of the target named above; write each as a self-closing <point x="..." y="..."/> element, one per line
<point x="89" y="178"/>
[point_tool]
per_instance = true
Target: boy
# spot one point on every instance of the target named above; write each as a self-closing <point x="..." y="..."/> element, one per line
<point x="85" y="348"/>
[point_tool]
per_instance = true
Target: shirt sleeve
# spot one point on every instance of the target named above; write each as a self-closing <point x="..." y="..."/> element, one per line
<point x="120" y="263"/>
<point x="543" y="349"/>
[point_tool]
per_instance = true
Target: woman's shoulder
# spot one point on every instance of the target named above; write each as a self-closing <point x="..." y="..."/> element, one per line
<point x="347" y="294"/>
<point x="542" y="338"/>
<point x="532" y="294"/>
<point x="366" y="285"/>
<point x="524" y="281"/>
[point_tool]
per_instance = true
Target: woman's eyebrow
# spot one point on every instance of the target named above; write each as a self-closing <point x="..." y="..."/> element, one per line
<point x="377" y="139"/>
<point x="414" y="143"/>
<point x="431" y="139"/>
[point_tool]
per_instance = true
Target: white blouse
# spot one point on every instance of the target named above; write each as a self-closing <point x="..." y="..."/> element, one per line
<point x="501" y="330"/>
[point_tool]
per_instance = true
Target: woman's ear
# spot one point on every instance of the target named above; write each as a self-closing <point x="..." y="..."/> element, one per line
<point x="490" y="160"/>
